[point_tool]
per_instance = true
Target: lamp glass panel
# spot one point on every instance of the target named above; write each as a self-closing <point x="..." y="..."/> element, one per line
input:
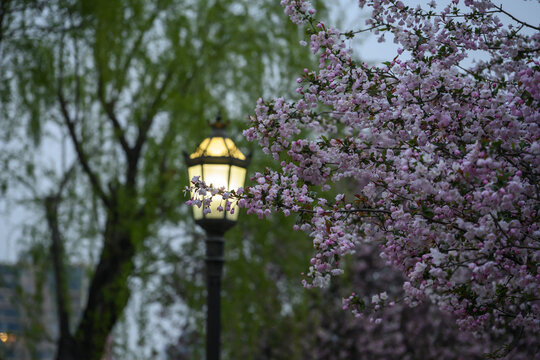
<point x="195" y="171"/>
<point x="216" y="175"/>
<point x="200" y="150"/>
<point x="238" y="176"/>
<point x="217" y="147"/>
<point x="234" y="151"/>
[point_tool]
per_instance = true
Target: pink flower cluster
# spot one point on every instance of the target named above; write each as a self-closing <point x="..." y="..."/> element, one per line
<point x="435" y="160"/>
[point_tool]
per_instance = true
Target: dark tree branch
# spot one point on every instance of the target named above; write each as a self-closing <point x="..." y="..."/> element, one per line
<point x="81" y="155"/>
<point x="516" y="19"/>
<point x="136" y="45"/>
<point x="57" y="252"/>
<point x="144" y="127"/>
<point x="108" y="106"/>
<point x="146" y="123"/>
<point x="352" y="211"/>
<point x="77" y="66"/>
<point x="3" y="12"/>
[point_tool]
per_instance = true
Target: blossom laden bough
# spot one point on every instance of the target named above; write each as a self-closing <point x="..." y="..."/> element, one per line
<point x="444" y="158"/>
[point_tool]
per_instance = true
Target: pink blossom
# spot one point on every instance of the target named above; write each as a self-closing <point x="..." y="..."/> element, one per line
<point x="441" y="160"/>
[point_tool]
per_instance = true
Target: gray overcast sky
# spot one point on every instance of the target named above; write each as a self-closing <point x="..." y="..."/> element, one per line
<point x="374" y="52"/>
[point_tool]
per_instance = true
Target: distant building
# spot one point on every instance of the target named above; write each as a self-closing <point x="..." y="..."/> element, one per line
<point x="28" y="316"/>
<point x="10" y="314"/>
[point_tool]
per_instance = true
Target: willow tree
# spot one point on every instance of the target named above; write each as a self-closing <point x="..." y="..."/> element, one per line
<point x="98" y="101"/>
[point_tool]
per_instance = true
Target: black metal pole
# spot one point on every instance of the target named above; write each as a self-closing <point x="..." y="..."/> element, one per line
<point x="214" y="270"/>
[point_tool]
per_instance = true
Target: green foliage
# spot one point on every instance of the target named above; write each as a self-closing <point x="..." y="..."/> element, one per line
<point x="116" y="90"/>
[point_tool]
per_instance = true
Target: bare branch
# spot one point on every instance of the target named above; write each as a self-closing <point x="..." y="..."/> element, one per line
<point x="81" y="155"/>
<point x="57" y="252"/>
<point x="516" y="19"/>
<point x="3" y="12"/>
<point x="352" y="210"/>
<point x="108" y="106"/>
<point x="144" y="127"/>
<point x="136" y="45"/>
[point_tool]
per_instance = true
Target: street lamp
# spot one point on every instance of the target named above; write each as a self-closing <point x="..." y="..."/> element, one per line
<point x="219" y="163"/>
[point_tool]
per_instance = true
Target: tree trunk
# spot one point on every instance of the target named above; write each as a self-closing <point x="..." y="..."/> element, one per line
<point x="109" y="291"/>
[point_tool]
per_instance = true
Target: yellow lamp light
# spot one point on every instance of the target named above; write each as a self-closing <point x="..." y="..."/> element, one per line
<point x="219" y="163"/>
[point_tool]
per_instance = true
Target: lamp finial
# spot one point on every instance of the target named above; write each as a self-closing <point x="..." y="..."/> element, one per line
<point x="219" y="123"/>
<point x="218" y="126"/>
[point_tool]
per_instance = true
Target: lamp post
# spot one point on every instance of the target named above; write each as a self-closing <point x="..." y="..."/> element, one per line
<point x="219" y="163"/>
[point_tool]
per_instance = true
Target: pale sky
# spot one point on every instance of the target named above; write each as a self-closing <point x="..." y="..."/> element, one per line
<point x="374" y="52"/>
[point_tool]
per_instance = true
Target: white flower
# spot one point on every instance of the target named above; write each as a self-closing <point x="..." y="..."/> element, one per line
<point x="418" y="270"/>
<point x="436" y="256"/>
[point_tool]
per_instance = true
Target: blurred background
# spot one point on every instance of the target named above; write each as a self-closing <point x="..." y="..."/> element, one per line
<point x="98" y="101"/>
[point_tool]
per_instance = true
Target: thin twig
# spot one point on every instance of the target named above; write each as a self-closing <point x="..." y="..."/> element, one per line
<point x="516" y="19"/>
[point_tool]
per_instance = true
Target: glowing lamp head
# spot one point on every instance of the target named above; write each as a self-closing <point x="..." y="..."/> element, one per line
<point x="219" y="163"/>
